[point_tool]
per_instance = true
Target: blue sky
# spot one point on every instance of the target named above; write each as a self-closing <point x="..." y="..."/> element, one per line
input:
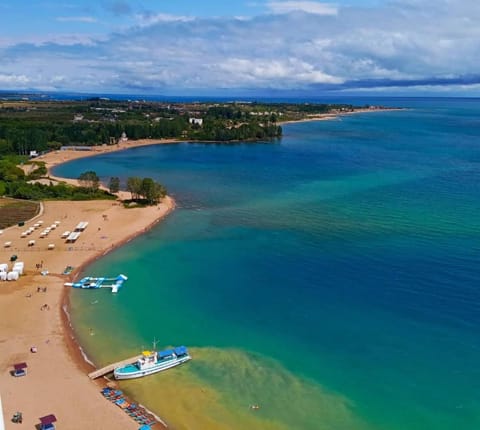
<point x="251" y="46"/>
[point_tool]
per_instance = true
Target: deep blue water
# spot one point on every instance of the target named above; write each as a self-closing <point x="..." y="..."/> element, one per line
<point x="348" y="252"/>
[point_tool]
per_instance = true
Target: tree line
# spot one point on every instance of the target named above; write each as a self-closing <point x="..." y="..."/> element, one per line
<point x="15" y="183"/>
<point x="142" y="190"/>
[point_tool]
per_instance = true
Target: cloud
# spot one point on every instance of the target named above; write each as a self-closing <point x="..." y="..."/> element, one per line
<point x="86" y="19"/>
<point x="119" y="7"/>
<point x="10" y="80"/>
<point x="303" y="6"/>
<point x="290" y="71"/>
<point x="148" y="19"/>
<point x="407" y="44"/>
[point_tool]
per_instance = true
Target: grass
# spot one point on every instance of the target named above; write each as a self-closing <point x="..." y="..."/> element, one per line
<point x="14" y="211"/>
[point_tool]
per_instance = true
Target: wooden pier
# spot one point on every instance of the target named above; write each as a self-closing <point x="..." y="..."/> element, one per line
<point x="110" y="368"/>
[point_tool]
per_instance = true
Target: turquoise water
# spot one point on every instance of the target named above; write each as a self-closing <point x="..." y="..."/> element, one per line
<point x="331" y="277"/>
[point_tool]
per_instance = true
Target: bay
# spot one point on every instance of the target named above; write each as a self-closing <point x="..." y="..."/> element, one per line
<point x="330" y="277"/>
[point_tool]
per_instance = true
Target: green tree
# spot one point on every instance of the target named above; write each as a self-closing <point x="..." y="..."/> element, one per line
<point x="148" y="189"/>
<point x="89" y="180"/>
<point x="152" y="191"/>
<point x="114" y="184"/>
<point x="10" y="172"/>
<point x="134" y="186"/>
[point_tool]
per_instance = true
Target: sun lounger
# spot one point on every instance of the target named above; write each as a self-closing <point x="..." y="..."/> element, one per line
<point x="46" y="423"/>
<point x="20" y="369"/>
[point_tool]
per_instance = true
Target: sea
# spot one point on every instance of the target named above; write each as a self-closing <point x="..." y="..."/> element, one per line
<point x="331" y="277"/>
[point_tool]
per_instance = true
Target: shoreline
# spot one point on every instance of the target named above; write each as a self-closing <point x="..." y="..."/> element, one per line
<point x="16" y="297"/>
<point x="74" y="347"/>
<point x="336" y="115"/>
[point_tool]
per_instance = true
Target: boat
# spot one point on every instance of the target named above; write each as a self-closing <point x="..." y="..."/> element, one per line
<point x="90" y="282"/>
<point x="152" y="362"/>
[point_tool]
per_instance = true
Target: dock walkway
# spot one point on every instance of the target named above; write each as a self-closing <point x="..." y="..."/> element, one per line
<point x="108" y="369"/>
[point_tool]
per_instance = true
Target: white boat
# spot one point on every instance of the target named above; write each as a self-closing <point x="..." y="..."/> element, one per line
<point x="153" y="362"/>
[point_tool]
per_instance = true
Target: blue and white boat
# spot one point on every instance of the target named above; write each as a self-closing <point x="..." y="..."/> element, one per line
<point x="153" y="362"/>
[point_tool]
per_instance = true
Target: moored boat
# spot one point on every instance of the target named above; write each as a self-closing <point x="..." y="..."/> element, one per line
<point x="153" y="362"/>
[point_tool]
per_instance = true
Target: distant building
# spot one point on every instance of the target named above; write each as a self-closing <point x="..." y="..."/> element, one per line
<point x="33" y="154"/>
<point x="123" y="137"/>
<point x="196" y="121"/>
<point x="78" y="117"/>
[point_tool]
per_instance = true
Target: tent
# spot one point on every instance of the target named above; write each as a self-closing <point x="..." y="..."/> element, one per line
<point x="46" y="422"/>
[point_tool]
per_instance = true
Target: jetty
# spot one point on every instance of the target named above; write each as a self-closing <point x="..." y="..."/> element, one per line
<point x="111" y="367"/>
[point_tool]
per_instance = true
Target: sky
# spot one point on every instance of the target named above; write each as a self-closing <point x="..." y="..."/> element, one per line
<point x="182" y="47"/>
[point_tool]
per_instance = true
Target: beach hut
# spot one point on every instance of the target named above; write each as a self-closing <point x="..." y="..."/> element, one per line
<point x="24" y="234"/>
<point x="46" y="422"/>
<point x="65" y="234"/>
<point x="20" y="369"/>
<point x="13" y="276"/>
<point x="51" y="246"/>
<point x="31" y="242"/>
<point x="3" y="267"/>
<point x="3" y="276"/>
<point x="18" y="267"/>
<point x="7" y="244"/>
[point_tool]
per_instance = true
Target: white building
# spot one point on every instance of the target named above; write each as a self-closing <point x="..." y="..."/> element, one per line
<point x="196" y="121"/>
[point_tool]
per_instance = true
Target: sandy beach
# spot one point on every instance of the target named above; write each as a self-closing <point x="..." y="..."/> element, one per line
<point x="57" y="380"/>
<point x="336" y="115"/>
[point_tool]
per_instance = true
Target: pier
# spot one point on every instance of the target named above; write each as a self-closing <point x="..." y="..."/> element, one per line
<point x="110" y="368"/>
